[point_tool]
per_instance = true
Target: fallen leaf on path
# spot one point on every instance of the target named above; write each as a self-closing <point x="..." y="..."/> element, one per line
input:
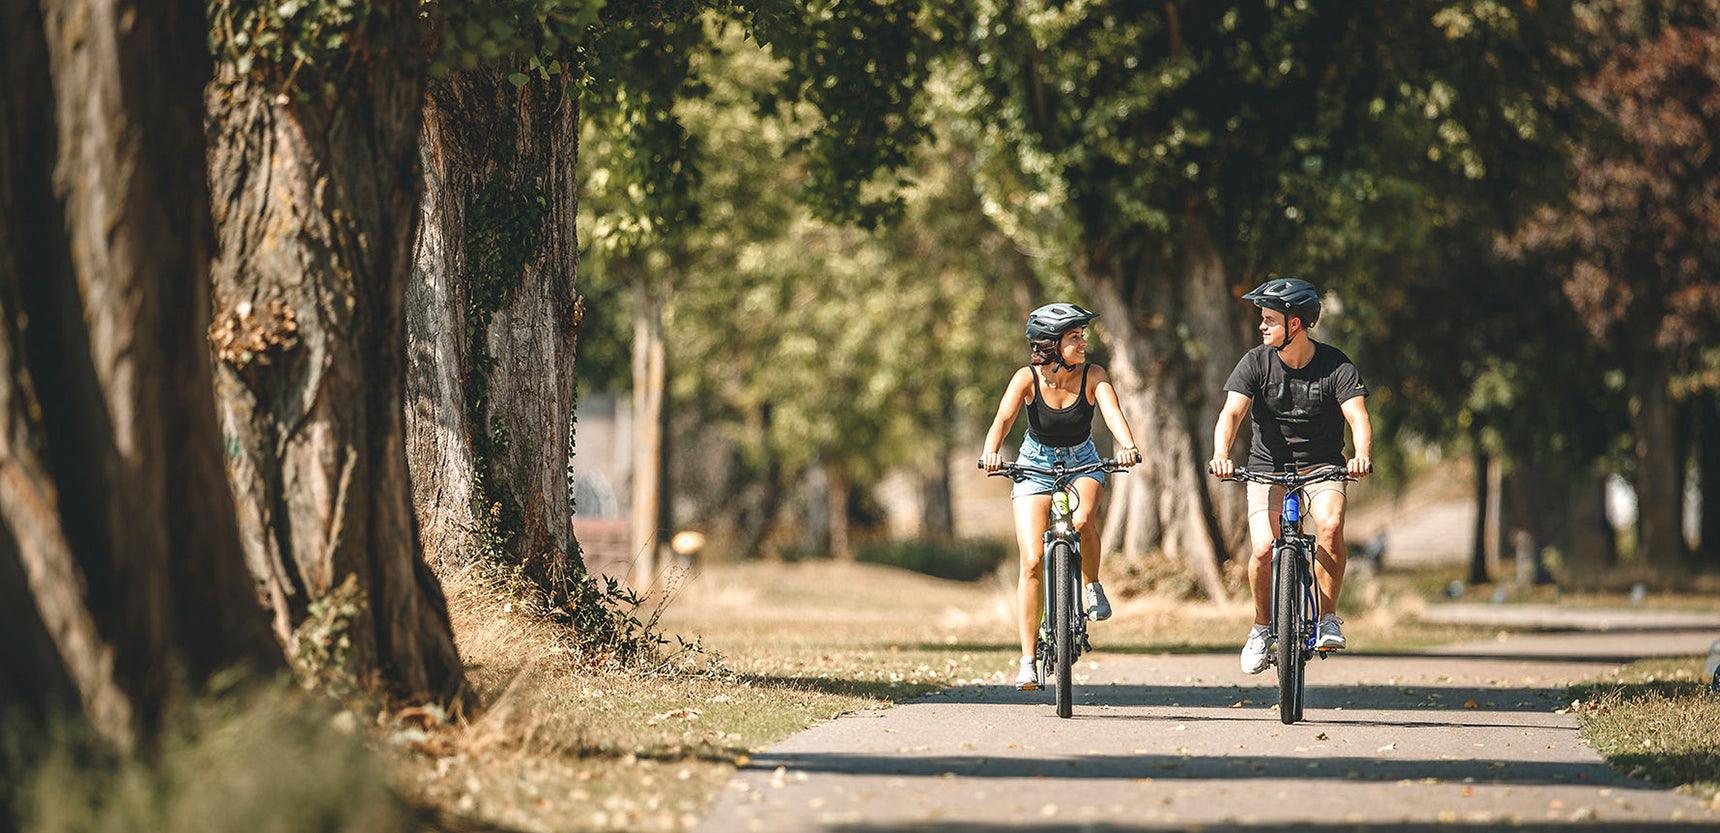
<point x="1471" y="704"/>
<point x="1387" y="748"/>
<point x="1321" y="736"/>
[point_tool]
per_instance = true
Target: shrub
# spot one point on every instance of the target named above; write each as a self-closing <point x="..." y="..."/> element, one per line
<point x="962" y="560"/>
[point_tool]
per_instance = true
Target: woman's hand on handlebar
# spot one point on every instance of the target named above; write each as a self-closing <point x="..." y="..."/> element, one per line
<point x="991" y="461"/>
<point x="1221" y="467"/>
<point x="1127" y="457"/>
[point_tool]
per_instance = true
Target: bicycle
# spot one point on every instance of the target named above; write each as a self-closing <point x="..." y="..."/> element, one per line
<point x="1295" y="616"/>
<point x="1063" y="626"/>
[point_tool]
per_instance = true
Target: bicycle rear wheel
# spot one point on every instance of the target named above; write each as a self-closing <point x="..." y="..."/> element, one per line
<point x="1289" y="635"/>
<point x="1062" y="629"/>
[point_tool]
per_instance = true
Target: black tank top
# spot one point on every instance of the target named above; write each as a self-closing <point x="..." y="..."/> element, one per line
<point x="1060" y="427"/>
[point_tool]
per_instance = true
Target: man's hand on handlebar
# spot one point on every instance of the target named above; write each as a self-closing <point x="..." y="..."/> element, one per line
<point x="1221" y="467"/>
<point x="1360" y="467"/>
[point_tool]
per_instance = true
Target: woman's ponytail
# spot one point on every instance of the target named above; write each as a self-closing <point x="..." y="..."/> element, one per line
<point x="1042" y="351"/>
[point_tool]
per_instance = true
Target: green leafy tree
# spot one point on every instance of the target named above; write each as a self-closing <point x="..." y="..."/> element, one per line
<point x="1181" y="151"/>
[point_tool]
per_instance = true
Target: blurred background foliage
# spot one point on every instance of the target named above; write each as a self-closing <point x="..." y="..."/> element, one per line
<point x="1511" y="206"/>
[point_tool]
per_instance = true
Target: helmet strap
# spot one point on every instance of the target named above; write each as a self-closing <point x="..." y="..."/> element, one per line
<point x="1287" y="339"/>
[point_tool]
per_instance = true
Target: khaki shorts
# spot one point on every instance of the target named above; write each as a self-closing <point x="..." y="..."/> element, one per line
<point x="1263" y="497"/>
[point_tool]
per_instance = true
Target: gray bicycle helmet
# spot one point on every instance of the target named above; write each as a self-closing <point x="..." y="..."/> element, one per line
<point x="1053" y="320"/>
<point x="1291" y="296"/>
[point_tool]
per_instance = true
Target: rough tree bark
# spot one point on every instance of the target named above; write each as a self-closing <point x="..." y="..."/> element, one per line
<point x="119" y="557"/>
<point x="1170" y="386"/>
<point x="316" y="197"/>
<point x="491" y="323"/>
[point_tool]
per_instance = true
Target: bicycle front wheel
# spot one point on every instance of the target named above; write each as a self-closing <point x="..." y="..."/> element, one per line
<point x="1289" y="634"/>
<point x="1062" y="629"/>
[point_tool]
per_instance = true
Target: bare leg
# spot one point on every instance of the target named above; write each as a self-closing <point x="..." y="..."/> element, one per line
<point x="1262" y="527"/>
<point x="1032" y="513"/>
<point x="1088" y="490"/>
<point x="1330" y="551"/>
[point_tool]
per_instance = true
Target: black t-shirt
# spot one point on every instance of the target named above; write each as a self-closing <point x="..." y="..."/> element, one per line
<point x="1295" y="410"/>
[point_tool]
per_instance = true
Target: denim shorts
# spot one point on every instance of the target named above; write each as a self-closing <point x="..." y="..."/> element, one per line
<point x="1034" y="453"/>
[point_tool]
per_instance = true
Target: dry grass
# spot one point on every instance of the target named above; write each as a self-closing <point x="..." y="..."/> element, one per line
<point x="1656" y="720"/>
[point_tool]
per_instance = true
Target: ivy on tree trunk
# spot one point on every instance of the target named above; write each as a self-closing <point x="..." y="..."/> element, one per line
<point x="492" y="319"/>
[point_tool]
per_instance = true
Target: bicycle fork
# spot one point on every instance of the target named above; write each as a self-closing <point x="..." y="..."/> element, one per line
<point x="1048" y="593"/>
<point x="1294" y="548"/>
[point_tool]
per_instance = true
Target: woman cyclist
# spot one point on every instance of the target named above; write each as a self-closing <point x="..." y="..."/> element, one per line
<point x="1060" y="391"/>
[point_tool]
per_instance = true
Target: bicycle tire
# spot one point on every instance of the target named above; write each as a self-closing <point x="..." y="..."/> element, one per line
<point x="1063" y="630"/>
<point x="1289" y="635"/>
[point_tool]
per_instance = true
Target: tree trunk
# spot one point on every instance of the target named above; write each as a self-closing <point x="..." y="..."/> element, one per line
<point x="1660" y="505"/>
<point x="491" y="322"/>
<point x="1483" y="501"/>
<point x="937" y="499"/>
<point x="119" y="557"/>
<point x="1495" y="510"/>
<point x="1708" y="477"/>
<point x="316" y="197"/>
<point x="1169" y="371"/>
<point x="1588" y="538"/>
<point x="650" y="378"/>
<point x="837" y="486"/>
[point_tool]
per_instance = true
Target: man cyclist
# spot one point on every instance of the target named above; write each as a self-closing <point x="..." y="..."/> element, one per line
<point x="1299" y="393"/>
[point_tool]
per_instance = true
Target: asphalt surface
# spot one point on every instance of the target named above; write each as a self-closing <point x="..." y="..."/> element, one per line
<point x="1467" y="737"/>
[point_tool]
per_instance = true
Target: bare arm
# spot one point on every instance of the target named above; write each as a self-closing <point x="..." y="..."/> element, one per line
<point x="1224" y="432"/>
<point x="1105" y="394"/>
<point x="1014" y="395"/>
<point x="1362" y="431"/>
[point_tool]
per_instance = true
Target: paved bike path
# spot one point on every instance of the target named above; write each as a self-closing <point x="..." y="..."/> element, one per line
<point x="1466" y="736"/>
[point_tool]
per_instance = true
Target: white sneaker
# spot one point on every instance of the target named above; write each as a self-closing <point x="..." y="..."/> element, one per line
<point x="1027" y="679"/>
<point x="1331" y="633"/>
<point x="1254" y="653"/>
<point x="1098" y="607"/>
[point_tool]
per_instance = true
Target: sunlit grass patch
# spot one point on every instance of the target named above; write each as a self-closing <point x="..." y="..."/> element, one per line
<point x="1656" y="720"/>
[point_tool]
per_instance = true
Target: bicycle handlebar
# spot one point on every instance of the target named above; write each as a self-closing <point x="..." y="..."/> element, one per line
<point x="1290" y="479"/>
<point x="1019" y="471"/>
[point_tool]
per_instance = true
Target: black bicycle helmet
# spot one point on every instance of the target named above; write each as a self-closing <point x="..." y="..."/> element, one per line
<point x="1291" y="296"/>
<point x="1053" y="320"/>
